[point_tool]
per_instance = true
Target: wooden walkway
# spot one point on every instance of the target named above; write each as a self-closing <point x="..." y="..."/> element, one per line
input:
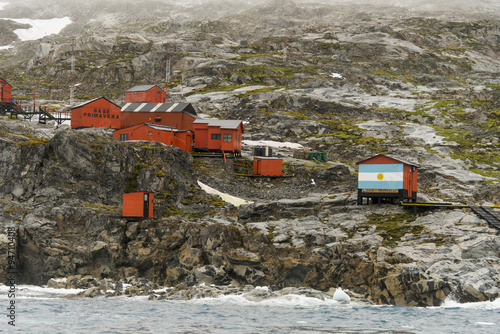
<point x="27" y="112"/>
<point x="484" y="212"/>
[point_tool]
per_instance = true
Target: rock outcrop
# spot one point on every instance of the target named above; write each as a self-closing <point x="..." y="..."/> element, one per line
<point x="343" y="80"/>
<point x="62" y="195"/>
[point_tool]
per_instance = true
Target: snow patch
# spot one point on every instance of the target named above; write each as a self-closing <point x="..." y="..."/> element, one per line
<point x="3" y="5"/>
<point x="271" y="143"/>
<point x="236" y="201"/>
<point x="41" y="28"/>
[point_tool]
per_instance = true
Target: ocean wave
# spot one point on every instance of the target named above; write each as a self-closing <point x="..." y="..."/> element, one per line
<point x="34" y="291"/>
<point x="486" y="305"/>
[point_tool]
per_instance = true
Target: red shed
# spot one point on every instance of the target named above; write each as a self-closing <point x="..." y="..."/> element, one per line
<point x="5" y="91"/>
<point x="267" y="166"/>
<point x="96" y="113"/>
<point x="145" y="93"/>
<point x="178" y="115"/>
<point x="218" y="135"/>
<point x="383" y="177"/>
<point x="160" y="133"/>
<point x="138" y="204"/>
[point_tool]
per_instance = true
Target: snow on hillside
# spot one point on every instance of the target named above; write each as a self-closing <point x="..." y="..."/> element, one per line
<point x="40" y="28"/>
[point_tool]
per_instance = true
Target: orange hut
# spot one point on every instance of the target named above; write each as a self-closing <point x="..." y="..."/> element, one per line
<point x="145" y="93"/>
<point x="138" y="204"/>
<point x="267" y="166"/>
<point x="218" y="135"/>
<point x="160" y="133"/>
<point x="99" y="112"/>
<point x="385" y="178"/>
<point x="178" y="115"/>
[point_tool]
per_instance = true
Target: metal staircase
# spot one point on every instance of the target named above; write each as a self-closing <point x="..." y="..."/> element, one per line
<point x="488" y="214"/>
<point x="29" y="111"/>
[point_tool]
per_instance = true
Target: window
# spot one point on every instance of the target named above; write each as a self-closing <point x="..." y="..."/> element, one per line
<point x="215" y="136"/>
<point x="123" y="136"/>
<point x="150" y="133"/>
<point x="227" y="138"/>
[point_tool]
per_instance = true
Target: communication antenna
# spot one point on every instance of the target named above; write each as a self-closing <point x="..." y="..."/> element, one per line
<point x="285" y="42"/>
<point x="167" y="73"/>
<point x="72" y="87"/>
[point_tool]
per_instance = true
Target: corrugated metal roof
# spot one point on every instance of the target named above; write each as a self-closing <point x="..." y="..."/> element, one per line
<point x="390" y="157"/>
<point x="5" y="81"/>
<point x="222" y="123"/>
<point x="267" y="158"/>
<point x="163" y="127"/>
<point x="159" y="107"/>
<point x="141" y="88"/>
<point x="90" y="101"/>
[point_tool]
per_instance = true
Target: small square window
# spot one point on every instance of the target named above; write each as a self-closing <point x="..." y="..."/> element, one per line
<point x="150" y="133"/>
<point x="123" y="137"/>
<point x="227" y="137"/>
<point x="215" y="136"/>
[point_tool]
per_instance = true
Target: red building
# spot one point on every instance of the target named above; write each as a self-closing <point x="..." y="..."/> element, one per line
<point x="267" y="166"/>
<point x="385" y="178"/>
<point x="153" y="132"/>
<point x="138" y="204"/>
<point x="178" y="115"/>
<point x="218" y="135"/>
<point x="5" y="91"/>
<point x="97" y="113"/>
<point x="145" y="93"/>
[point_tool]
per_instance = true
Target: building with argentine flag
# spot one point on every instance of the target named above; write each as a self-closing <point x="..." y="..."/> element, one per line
<point x="383" y="178"/>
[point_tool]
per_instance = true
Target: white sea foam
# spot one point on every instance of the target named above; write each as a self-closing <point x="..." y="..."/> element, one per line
<point x="488" y="305"/>
<point x="33" y="291"/>
<point x="287" y="301"/>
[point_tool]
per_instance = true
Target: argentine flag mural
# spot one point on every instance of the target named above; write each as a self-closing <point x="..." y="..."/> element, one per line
<point x="378" y="176"/>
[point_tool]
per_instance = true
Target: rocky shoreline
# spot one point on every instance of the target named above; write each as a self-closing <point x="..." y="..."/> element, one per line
<point x="90" y="287"/>
<point x="62" y="189"/>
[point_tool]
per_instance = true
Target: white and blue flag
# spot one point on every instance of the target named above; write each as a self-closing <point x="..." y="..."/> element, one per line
<point x="380" y="176"/>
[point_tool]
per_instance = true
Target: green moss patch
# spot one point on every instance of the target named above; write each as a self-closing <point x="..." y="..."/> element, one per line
<point x="392" y="227"/>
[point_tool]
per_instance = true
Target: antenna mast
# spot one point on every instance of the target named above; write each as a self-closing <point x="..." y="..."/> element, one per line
<point x="72" y="87"/>
<point x="167" y="73"/>
<point x="285" y="41"/>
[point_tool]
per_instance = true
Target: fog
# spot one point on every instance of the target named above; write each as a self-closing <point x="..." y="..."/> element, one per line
<point x="475" y="6"/>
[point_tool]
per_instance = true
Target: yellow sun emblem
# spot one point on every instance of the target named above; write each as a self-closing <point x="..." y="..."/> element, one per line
<point x="380" y="176"/>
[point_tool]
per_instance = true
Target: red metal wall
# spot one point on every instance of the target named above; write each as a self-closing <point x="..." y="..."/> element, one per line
<point x="409" y="172"/>
<point x="133" y="204"/>
<point x="155" y="94"/>
<point x="267" y="167"/>
<point x="201" y="135"/>
<point x="410" y="178"/>
<point x="98" y="114"/>
<point x="5" y="91"/>
<point x="183" y="140"/>
<point x="178" y="120"/>
<point x="203" y="138"/>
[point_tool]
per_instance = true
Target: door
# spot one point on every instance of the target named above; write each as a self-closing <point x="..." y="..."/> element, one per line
<point x="146" y="205"/>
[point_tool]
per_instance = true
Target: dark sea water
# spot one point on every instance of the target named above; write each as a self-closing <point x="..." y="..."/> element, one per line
<point x="48" y="311"/>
